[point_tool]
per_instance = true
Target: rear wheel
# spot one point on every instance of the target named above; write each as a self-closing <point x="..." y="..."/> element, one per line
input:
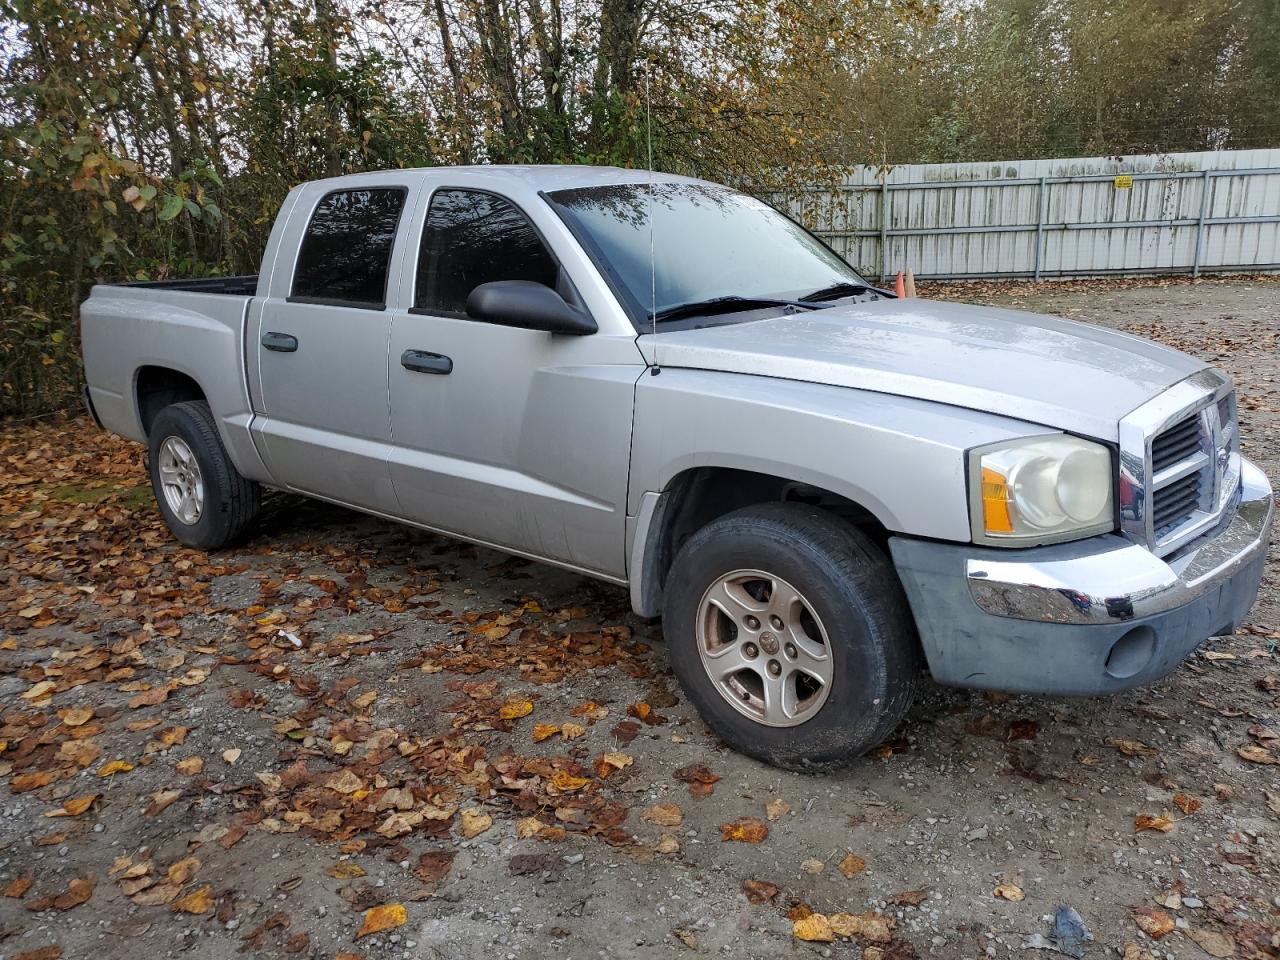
<point x="202" y="497"/>
<point x="789" y="630"/>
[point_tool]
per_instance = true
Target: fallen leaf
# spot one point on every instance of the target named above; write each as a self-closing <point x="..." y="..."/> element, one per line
<point x="78" y="891"/>
<point x="345" y="870"/>
<point x="51" y="952"/>
<point x="232" y="755"/>
<point x="160" y="801"/>
<point x="1256" y="754"/>
<point x="759" y="891"/>
<point x="1154" y="923"/>
<point x="76" y="716"/>
<point x="345" y="782"/>
<point x="700" y="780"/>
<point x="1145" y="821"/>
<point x="1009" y="891"/>
<point x="744" y="830"/>
<point x="475" y="822"/>
<point x="908" y="898"/>
<point x="40" y="691"/>
<point x="433" y="865"/>
<point x="75" y="807"/>
<point x="572" y="731"/>
<point x="1132" y="748"/>
<point x="113" y="767"/>
<point x="815" y="928"/>
<point x="852" y="865"/>
<point x="663" y="814"/>
<point x="776" y="809"/>
<point x="24" y="782"/>
<point x="183" y="870"/>
<point x="869" y="926"/>
<point x="17" y="888"/>
<point x="197" y="901"/>
<point x="544" y="731"/>
<point x="515" y="709"/>
<point x="565" y="782"/>
<point x="386" y="917"/>
<point x="610" y="763"/>
<point x="1187" y="804"/>
<point x="190" y="766"/>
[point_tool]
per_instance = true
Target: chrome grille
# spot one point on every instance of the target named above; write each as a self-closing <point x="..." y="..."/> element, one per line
<point x="1179" y="463"/>
<point x="1177" y="443"/>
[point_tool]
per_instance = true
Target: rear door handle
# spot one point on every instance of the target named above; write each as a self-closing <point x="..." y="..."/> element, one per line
<point x="280" y="342"/>
<point x="420" y="361"/>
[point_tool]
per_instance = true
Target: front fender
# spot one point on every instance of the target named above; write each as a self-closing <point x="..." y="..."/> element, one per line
<point x="900" y="458"/>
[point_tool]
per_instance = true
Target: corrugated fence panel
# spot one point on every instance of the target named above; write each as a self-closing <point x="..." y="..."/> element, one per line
<point x="1169" y="213"/>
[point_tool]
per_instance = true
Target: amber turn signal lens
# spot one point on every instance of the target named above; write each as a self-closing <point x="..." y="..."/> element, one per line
<point x="995" y="502"/>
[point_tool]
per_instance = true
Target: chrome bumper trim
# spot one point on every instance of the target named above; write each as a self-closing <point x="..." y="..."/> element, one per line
<point x="1111" y="579"/>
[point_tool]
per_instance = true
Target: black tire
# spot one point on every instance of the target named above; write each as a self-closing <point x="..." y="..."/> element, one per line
<point x="851" y="586"/>
<point x="230" y="501"/>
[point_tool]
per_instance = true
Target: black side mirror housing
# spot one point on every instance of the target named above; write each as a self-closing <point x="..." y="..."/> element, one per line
<point x="529" y="306"/>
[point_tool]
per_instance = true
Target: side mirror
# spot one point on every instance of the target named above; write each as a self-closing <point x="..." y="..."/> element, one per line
<point x="528" y="305"/>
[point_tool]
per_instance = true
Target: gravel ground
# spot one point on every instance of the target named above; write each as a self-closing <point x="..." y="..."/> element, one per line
<point x="335" y="725"/>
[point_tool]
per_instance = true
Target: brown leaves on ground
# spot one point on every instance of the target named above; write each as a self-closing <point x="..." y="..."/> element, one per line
<point x="1153" y="922"/>
<point x="852" y="865"/>
<point x="1132" y="748"/>
<point x="759" y="891"/>
<point x="1009" y="891"/>
<point x="663" y="814"/>
<point x="701" y="781"/>
<point x="744" y="830"/>
<point x="78" y="892"/>
<point x="820" y="928"/>
<point x="1146" y="821"/>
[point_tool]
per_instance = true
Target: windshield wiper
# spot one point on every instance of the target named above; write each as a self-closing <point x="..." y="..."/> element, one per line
<point x="836" y="291"/>
<point x="727" y="305"/>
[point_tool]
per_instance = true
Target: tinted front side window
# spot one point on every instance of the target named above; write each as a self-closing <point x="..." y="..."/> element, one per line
<point x="346" y="251"/>
<point x="472" y="238"/>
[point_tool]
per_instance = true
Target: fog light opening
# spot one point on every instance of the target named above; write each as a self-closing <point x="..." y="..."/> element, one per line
<point x="1131" y="653"/>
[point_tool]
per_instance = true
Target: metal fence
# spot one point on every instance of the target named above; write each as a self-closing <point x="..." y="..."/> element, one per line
<point x="1173" y="213"/>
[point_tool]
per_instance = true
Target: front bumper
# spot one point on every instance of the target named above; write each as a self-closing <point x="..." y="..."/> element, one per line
<point x="1089" y="617"/>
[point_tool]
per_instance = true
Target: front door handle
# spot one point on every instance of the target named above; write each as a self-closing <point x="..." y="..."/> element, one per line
<point x="420" y="361"/>
<point x="280" y="342"/>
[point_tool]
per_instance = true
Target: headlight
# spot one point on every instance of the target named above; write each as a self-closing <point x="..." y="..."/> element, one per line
<point x="1040" y="490"/>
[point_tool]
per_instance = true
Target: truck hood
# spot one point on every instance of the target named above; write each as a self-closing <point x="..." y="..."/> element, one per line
<point x="1060" y="373"/>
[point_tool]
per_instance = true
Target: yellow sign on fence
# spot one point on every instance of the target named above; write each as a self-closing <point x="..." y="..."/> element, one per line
<point x="1123" y="182"/>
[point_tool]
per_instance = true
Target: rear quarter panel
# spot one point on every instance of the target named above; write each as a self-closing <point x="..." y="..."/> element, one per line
<point x="124" y="329"/>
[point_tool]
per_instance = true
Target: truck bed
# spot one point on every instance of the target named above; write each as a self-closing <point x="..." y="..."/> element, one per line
<point x="245" y="286"/>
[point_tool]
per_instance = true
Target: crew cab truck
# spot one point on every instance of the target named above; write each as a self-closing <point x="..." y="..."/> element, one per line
<point x="668" y="385"/>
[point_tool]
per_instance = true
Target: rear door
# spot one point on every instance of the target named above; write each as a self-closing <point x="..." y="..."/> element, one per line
<point x="321" y="342"/>
<point x="518" y="438"/>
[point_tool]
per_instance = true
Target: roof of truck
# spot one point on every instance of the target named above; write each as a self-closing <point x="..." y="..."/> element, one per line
<point x="536" y="176"/>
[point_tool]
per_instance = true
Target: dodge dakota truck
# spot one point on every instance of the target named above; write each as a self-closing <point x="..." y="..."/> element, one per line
<point x="669" y="385"/>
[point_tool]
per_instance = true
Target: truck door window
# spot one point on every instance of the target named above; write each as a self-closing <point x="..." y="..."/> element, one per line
<point x="346" y="251"/>
<point x="469" y="238"/>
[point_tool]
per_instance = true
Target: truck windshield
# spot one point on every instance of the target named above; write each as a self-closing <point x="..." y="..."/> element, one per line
<point x="709" y="243"/>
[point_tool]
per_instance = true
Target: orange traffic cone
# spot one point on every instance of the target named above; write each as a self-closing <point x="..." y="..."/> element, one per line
<point x="898" y="289"/>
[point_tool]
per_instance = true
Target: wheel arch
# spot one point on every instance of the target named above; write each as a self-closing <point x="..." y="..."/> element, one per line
<point x="695" y="496"/>
<point x="156" y="387"/>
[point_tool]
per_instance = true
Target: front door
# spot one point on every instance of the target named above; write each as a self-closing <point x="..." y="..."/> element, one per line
<point x="513" y="437"/>
<point x="322" y="353"/>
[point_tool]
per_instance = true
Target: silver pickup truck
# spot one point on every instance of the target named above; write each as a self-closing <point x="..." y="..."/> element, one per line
<point x="671" y="386"/>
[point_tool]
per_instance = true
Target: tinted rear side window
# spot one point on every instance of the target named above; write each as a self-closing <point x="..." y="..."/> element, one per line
<point x="472" y="238"/>
<point x="346" y="251"/>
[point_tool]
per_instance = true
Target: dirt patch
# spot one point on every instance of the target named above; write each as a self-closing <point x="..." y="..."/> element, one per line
<point x="350" y="726"/>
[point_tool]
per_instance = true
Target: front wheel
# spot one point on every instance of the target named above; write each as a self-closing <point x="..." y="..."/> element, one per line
<point x="789" y="631"/>
<point x="201" y="495"/>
